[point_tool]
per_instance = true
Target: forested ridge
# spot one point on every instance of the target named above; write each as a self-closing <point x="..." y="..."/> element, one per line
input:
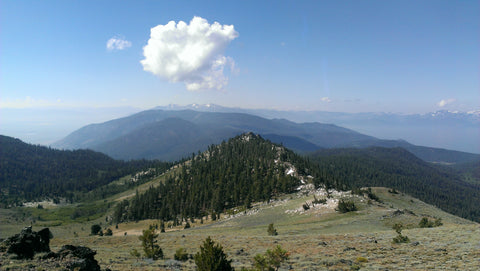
<point x="250" y="169"/>
<point x="399" y="169"/>
<point x="243" y="170"/>
<point x="32" y="172"/>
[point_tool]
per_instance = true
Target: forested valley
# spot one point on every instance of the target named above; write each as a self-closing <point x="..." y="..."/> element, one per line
<point x="31" y="172"/>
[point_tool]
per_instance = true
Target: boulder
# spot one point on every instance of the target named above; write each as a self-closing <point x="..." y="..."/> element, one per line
<point x="28" y="242"/>
<point x="69" y="257"/>
<point x="77" y="258"/>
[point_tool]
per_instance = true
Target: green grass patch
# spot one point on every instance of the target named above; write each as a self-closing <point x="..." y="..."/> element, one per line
<point x="82" y="212"/>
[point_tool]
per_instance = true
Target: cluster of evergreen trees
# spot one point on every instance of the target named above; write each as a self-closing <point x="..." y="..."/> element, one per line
<point x="245" y="169"/>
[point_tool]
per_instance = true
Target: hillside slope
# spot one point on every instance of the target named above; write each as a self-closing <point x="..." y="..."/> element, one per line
<point x="428" y="154"/>
<point x="399" y="169"/>
<point x="316" y="239"/>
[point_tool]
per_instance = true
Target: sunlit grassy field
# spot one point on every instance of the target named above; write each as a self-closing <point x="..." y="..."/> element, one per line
<point x="317" y="239"/>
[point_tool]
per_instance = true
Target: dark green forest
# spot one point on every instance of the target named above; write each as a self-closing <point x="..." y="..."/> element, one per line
<point x="236" y="173"/>
<point x="243" y="170"/>
<point x="239" y="172"/>
<point x="470" y="171"/>
<point x="30" y="172"/>
<point x="399" y="169"/>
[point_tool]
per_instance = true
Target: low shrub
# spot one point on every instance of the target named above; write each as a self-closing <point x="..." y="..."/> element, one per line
<point x="362" y="259"/>
<point x="271" y="260"/>
<point x="181" y="255"/>
<point x="134" y="252"/>
<point x="271" y="230"/>
<point x="345" y="206"/>
<point x="426" y="223"/>
<point x="399" y="238"/>
<point x="108" y="232"/>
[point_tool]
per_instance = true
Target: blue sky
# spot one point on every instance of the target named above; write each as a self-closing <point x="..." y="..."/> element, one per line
<point x="351" y="56"/>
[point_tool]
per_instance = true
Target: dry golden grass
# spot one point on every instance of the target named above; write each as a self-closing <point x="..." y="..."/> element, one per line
<point x="316" y="239"/>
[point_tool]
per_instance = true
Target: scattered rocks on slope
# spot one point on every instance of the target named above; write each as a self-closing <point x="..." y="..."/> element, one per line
<point x="76" y="258"/>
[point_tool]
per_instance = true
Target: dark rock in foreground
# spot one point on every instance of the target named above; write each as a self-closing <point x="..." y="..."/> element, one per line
<point x="28" y="242"/>
<point x="76" y="258"/>
<point x="69" y="257"/>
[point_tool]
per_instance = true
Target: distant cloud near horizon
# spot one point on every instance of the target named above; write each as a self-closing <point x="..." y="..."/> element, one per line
<point x="325" y="99"/>
<point x="117" y="43"/>
<point x="443" y="103"/>
<point x="190" y="53"/>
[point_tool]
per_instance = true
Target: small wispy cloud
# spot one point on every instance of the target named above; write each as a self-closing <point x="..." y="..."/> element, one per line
<point x="443" y="103"/>
<point x="190" y="53"/>
<point x="325" y="99"/>
<point x="29" y="102"/>
<point x="118" y="43"/>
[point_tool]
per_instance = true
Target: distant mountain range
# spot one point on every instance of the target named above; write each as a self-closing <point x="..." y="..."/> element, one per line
<point x="174" y="134"/>
<point x="452" y="130"/>
<point x="472" y="117"/>
<point x="445" y="129"/>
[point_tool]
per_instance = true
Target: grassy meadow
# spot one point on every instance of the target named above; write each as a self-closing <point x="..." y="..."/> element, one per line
<point x="319" y="238"/>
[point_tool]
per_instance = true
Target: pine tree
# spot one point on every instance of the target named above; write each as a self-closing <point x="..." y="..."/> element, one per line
<point x="149" y="244"/>
<point x="212" y="258"/>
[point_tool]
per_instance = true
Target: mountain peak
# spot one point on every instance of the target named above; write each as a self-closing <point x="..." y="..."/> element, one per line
<point x="249" y="136"/>
<point x="209" y="107"/>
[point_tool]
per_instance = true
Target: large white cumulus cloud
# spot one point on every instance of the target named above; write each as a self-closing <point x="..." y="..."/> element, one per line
<point x="190" y="53"/>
